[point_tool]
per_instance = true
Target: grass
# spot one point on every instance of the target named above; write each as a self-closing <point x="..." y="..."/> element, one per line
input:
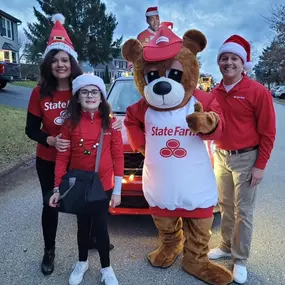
<point x="30" y="84"/>
<point x="15" y="145"/>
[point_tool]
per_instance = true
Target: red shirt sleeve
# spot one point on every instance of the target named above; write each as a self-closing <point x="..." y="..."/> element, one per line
<point x="62" y="158"/>
<point x="117" y="152"/>
<point x="266" y="126"/>
<point x="134" y="123"/>
<point x="34" y="103"/>
<point x="210" y="104"/>
<point x="141" y="36"/>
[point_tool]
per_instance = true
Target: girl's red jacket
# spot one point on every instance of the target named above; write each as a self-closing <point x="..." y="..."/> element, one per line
<point x="89" y="129"/>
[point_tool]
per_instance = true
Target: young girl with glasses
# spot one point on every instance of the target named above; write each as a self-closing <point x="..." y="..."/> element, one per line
<point x="87" y="113"/>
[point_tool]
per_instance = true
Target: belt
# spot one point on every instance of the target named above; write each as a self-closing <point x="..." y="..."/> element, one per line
<point x="238" y="151"/>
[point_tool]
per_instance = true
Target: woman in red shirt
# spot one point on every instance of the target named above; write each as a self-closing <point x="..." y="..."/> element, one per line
<point x="87" y="114"/>
<point x="47" y="104"/>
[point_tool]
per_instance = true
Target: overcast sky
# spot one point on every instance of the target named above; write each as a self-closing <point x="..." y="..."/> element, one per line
<point x="216" y="19"/>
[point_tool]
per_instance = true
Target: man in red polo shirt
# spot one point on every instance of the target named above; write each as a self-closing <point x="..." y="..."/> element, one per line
<point x="242" y="152"/>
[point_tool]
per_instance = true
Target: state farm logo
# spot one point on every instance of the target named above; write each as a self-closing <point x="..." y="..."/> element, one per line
<point x="59" y="120"/>
<point x="56" y="105"/>
<point x="173" y="149"/>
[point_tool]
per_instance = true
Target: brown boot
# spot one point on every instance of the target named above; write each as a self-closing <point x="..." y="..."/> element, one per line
<point x="171" y="241"/>
<point x="195" y="260"/>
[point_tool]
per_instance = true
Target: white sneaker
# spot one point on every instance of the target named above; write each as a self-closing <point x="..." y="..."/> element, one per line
<point x="108" y="276"/>
<point x="217" y="253"/>
<point x="240" y="274"/>
<point x="78" y="272"/>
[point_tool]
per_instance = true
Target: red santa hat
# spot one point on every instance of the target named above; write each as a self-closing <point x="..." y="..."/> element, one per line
<point x="59" y="38"/>
<point x="239" y="46"/>
<point x="164" y="45"/>
<point x="151" y="11"/>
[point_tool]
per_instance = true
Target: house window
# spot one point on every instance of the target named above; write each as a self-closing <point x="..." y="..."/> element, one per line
<point x="14" y="57"/>
<point x="121" y="64"/>
<point x="6" y="56"/>
<point x="7" y="28"/>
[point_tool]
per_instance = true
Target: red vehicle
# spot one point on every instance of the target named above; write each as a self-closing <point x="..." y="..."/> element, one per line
<point x="122" y="94"/>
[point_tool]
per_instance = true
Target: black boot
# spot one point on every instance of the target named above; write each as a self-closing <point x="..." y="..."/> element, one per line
<point x="48" y="262"/>
<point x="93" y="244"/>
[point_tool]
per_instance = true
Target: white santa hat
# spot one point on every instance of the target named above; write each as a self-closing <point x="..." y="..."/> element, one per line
<point x="88" y="79"/>
<point x="239" y="46"/>
<point x="59" y="38"/>
<point x="151" y="11"/>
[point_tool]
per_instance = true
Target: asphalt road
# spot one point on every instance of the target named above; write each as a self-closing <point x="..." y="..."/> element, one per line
<point x="21" y="242"/>
<point x="15" y="96"/>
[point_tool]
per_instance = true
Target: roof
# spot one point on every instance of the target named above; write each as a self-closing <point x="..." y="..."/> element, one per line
<point x="119" y="57"/>
<point x="9" y="46"/>
<point x="10" y="17"/>
<point x="103" y="66"/>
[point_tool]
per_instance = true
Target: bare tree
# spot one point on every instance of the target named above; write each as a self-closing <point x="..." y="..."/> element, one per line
<point x="23" y="42"/>
<point x="277" y="20"/>
<point x="271" y="65"/>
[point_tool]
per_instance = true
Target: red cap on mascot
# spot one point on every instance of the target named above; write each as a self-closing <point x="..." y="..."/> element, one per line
<point x="163" y="46"/>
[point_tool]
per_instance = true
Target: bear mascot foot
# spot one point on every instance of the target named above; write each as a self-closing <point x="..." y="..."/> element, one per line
<point x="171" y="242"/>
<point x="209" y="272"/>
<point x="195" y="261"/>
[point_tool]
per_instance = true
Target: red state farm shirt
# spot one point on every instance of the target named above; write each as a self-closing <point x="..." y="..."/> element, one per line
<point x="50" y="111"/>
<point x="135" y="120"/>
<point x="112" y="156"/>
<point x="146" y="35"/>
<point x="249" y="116"/>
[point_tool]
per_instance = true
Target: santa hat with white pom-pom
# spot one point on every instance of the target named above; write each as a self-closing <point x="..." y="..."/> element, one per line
<point x="59" y="38"/>
<point x="239" y="46"/>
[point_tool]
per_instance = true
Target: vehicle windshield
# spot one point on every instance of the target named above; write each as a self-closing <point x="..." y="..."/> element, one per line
<point x="122" y="95"/>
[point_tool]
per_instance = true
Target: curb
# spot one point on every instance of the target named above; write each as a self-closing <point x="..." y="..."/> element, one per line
<point x="28" y="159"/>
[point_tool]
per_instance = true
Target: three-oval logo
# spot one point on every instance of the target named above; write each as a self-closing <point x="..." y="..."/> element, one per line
<point x="59" y="120"/>
<point x="173" y="149"/>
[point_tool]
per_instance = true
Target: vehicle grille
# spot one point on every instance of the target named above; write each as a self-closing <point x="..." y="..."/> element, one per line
<point x="133" y="202"/>
<point x="133" y="163"/>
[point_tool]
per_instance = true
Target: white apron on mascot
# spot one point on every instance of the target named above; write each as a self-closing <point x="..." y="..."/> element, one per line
<point x="177" y="170"/>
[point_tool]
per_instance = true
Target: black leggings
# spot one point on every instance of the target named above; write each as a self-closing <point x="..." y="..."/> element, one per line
<point x="97" y="217"/>
<point x="45" y="170"/>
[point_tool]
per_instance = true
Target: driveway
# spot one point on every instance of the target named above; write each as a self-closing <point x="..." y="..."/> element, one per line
<point x="22" y="246"/>
<point x="15" y="96"/>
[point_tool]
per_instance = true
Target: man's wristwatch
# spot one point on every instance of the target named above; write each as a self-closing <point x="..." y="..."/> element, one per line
<point x="55" y="190"/>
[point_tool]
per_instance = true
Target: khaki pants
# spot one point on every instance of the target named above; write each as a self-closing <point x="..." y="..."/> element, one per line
<point x="237" y="201"/>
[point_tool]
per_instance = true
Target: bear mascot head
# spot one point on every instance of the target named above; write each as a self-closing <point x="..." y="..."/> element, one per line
<point x="169" y="125"/>
<point x="166" y="71"/>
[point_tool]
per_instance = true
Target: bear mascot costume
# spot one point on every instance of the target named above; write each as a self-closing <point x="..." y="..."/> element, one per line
<point x="169" y="125"/>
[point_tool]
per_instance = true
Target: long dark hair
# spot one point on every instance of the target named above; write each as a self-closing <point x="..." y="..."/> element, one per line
<point x="74" y="110"/>
<point x="48" y="82"/>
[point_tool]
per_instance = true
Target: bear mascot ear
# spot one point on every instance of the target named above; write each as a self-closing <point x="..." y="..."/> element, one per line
<point x="132" y="50"/>
<point x="195" y="41"/>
